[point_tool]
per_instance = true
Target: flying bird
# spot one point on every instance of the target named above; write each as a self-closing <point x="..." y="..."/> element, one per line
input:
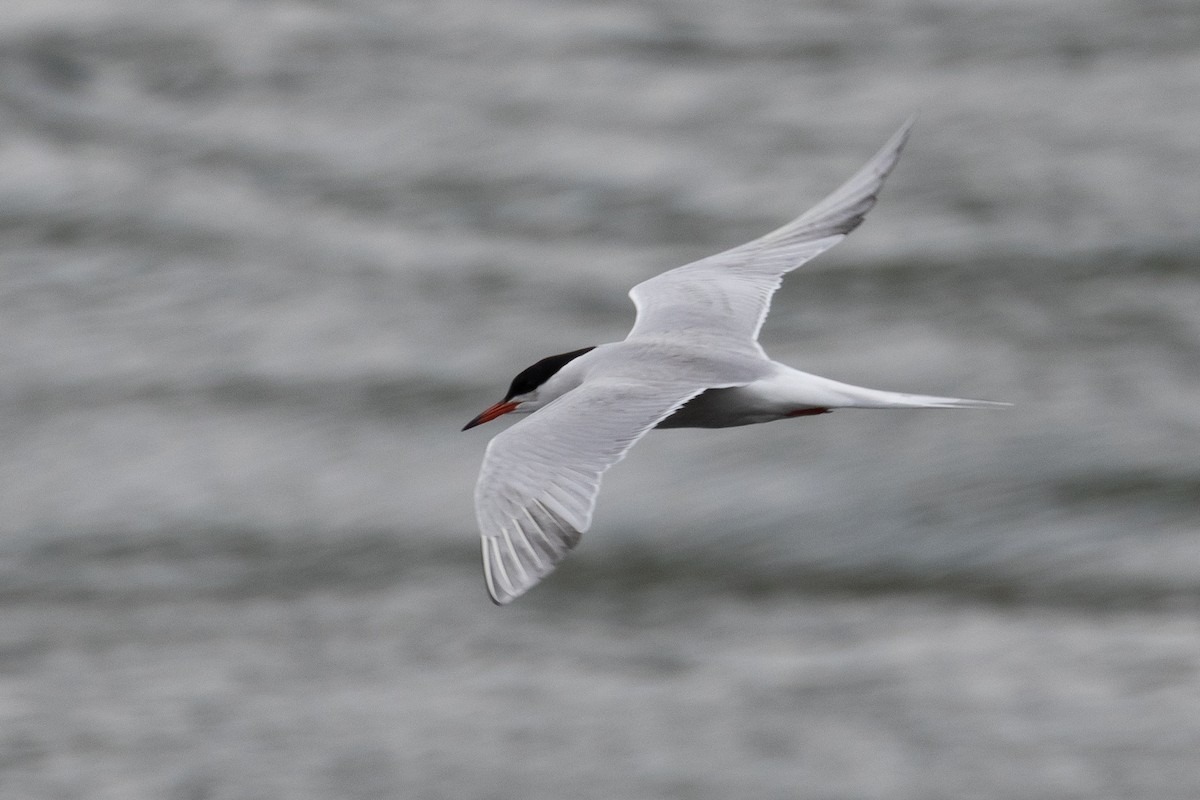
<point x="691" y="360"/>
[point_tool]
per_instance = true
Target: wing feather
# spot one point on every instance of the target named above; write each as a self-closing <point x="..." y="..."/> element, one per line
<point x="538" y="484"/>
<point x="728" y="295"/>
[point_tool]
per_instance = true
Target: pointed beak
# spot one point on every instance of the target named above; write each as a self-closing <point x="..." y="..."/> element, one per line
<point x="500" y="409"/>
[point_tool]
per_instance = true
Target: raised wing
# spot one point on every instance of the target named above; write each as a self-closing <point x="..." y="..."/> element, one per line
<point x="728" y="294"/>
<point x="538" y="484"/>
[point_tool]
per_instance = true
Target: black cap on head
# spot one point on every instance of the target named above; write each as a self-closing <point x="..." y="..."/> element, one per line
<point x="532" y="377"/>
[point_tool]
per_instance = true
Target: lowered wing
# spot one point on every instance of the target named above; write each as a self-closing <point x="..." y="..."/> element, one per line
<point x="538" y="484"/>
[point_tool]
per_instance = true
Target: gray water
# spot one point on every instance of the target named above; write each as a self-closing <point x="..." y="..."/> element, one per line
<point x="261" y="261"/>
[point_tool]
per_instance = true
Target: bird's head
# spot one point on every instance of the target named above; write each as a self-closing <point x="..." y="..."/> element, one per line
<point x="532" y="388"/>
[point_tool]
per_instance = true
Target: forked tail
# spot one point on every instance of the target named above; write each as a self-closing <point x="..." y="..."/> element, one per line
<point x="826" y="393"/>
<point x="900" y="400"/>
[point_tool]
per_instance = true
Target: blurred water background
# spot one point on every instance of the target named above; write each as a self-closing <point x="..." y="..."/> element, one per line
<point x="262" y="260"/>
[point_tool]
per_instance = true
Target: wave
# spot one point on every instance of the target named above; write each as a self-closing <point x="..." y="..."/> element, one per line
<point x="237" y="563"/>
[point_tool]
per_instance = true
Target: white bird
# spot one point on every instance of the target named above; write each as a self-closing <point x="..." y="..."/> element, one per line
<point x="692" y="359"/>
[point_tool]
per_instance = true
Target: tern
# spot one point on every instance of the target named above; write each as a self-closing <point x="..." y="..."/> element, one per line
<point x="691" y="360"/>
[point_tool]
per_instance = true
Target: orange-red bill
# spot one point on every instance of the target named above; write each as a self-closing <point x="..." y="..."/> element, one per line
<point x="498" y="410"/>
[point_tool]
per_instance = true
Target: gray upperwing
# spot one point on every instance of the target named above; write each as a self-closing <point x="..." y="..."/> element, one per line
<point x="729" y="294"/>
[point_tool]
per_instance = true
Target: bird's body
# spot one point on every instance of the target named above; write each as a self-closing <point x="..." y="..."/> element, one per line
<point x="692" y="360"/>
